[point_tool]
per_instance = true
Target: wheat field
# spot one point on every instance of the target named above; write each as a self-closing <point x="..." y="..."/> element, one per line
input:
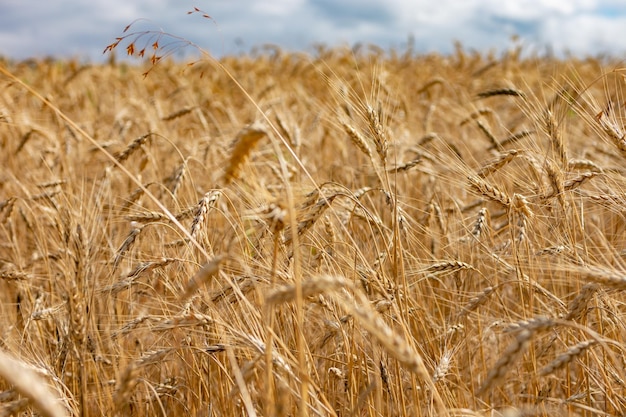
<point x="355" y="232"/>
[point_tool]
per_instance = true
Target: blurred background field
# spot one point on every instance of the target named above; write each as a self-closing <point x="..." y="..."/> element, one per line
<point x="349" y="232"/>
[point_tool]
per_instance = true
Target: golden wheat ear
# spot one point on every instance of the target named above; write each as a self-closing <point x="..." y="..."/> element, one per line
<point x="28" y="382"/>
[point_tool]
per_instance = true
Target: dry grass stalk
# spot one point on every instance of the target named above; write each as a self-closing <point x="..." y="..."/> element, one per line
<point x="567" y="357"/>
<point x="489" y="191"/>
<point x="32" y="386"/>
<point x="495" y="164"/>
<point x="206" y="272"/>
<point x="243" y="144"/>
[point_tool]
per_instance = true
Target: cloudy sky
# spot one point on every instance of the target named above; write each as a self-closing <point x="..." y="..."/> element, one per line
<point x="82" y="28"/>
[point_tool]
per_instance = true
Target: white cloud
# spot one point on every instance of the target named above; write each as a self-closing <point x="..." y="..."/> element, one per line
<point x="586" y="34"/>
<point x="67" y="27"/>
<point x="276" y="8"/>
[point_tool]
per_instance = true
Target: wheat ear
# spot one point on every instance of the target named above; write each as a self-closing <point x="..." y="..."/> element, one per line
<point x="495" y="164"/>
<point x="312" y="286"/>
<point x="380" y="136"/>
<point x="208" y="270"/>
<point x="29" y="384"/>
<point x="556" y="139"/>
<point x="358" y="140"/>
<point x="245" y="141"/>
<point x="567" y="357"/>
<point x="489" y="191"/>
